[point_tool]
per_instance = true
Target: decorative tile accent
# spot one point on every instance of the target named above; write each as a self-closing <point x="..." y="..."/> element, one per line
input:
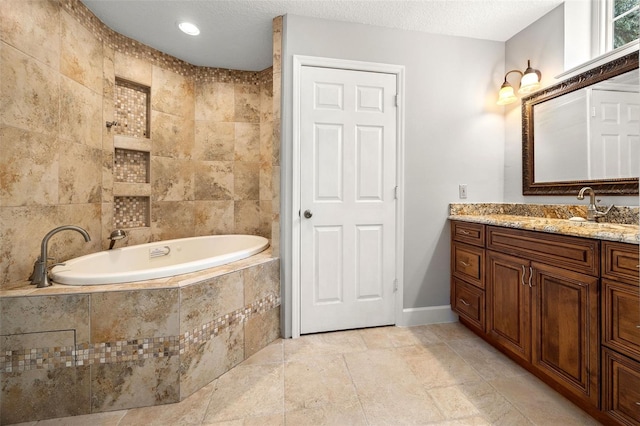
<point x="130" y="212"/>
<point x="130" y="350"/>
<point x="131" y="110"/>
<point x="131" y="166"/>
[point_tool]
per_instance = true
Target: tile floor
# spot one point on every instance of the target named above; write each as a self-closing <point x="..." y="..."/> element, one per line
<point x="439" y="374"/>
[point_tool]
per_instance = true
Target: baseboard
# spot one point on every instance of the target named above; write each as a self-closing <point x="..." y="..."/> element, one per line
<point x="427" y="315"/>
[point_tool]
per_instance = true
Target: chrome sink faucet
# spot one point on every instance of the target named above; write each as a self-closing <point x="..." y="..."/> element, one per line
<point x="592" y="210"/>
<point x="40" y="276"/>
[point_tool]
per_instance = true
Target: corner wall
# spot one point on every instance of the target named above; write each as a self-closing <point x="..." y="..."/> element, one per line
<point x="453" y="134"/>
<point x="211" y="144"/>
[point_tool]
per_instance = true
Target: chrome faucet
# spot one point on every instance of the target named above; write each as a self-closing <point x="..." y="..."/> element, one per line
<point x="592" y="210"/>
<point x="40" y="276"/>
<point x="116" y="235"/>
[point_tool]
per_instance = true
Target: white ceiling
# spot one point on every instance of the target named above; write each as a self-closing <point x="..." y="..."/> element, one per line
<point x="236" y="34"/>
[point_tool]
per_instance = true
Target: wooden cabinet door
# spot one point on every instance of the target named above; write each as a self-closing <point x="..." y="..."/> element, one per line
<point x="565" y="329"/>
<point x="508" y="303"/>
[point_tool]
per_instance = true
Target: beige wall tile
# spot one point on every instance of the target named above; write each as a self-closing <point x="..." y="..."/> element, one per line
<point x="29" y="92"/>
<point x="172" y="93"/>
<point x="172" y="179"/>
<point x="215" y="102"/>
<point x="133" y="69"/>
<point x="261" y="281"/>
<point x="210" y="359"/>
<point x="61" y="392"/>
<point x="80" y="174"/>
<point x="247" y="217"/>
<point x="214" y="217"/>
<point x="247" y="146"/>
<point x="171" y="135"/>
<point x="260" y="330"/>
<point x="80" y="114"/>
<point x="28" y="168"/>
<point x="214" y="180"/>
<point x="80" y="54"/>
<point x="172" y="219"/>
<point x="33" y="28"/>
<point x="246" y="180"/>
<point x="214" y="141"/>
<point x="247" y="103"/>
<point x="134" y="384"/>
<point x="134" y="314"/>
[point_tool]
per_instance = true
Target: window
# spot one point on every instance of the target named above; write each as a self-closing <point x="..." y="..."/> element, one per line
<point x="623" y="22"/>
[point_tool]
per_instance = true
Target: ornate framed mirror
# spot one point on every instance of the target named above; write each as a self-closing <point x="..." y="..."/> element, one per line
<point x="584" y="131"/>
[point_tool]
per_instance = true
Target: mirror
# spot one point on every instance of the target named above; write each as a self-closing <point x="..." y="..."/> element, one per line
<point x="584" y="131"/>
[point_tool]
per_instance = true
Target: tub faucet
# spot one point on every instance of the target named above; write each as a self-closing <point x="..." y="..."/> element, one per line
<point x="116" y="235"/>
<point x="39" y="276"/>
<point x="592" y="210"/>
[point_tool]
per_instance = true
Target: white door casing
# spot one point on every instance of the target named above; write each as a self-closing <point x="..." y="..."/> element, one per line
<point x="348" y="127"/>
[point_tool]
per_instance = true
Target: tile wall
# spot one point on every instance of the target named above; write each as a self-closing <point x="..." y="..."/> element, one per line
<point x="214" y="168"/>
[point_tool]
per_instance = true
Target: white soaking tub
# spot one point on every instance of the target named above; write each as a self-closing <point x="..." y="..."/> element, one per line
<point x="157" y="260"/>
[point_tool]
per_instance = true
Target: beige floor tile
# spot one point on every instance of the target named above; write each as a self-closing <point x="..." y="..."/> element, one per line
<point x="541" y="404"/>
<point x="388" y="390"/>
<point x="453" y="403"/>
<point x="330" y="415"/>
<point x="492" y="405"/>
<point x="393" y="337"/>
<point x="247" y="391"/>
<point x="272" y="354"/>
<point x="438" y="365"/>
<point x="316" y="382"/>
<point x="99" y="419"/>
<point x="469" y="421"/>
<point x="487" y="360"/>
<point x="335" y="343"/>
<point x="270" y="420"/>
<point x="190" y="411"/>
<point x="451" y="331"/>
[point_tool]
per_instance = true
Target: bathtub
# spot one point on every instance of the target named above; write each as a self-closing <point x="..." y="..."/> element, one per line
<point x="157" y="260"/>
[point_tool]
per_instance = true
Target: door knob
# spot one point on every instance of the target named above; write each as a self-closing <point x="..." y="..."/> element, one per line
<point x="308" y="214"/>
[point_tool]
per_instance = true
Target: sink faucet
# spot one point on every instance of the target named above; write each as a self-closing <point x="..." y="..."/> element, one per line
<point x="40" y="268"/>
<point x="592" y="210"/>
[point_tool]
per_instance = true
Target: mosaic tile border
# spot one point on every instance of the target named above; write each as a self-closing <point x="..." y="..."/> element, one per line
<point x="128" y="46"/>
<point x="130" y="350"/>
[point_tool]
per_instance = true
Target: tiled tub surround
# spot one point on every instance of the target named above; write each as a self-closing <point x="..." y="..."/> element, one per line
<point x="214" y="166"/>
<point x="71" y="350"/>
<point x="622" y="223"/>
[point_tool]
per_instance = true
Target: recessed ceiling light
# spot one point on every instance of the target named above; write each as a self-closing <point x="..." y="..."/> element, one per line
<point x="189" y="28"/>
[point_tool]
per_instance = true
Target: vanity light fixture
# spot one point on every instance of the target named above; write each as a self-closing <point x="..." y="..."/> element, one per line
<point x="189" y="28"/>
<point x="529" y="82"/>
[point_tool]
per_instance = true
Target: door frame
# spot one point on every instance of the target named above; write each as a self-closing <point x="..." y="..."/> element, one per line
<point x="300" y="61"/>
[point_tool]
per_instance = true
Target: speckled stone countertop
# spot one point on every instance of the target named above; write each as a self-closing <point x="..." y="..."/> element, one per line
<point x="621" y="226"/>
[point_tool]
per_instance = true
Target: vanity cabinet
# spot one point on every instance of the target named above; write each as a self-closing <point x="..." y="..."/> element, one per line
<point x="467" y="273"/>
<point x="566" y="308"/>
<point x="620" y="301"/>
<point x="542" y="304"/>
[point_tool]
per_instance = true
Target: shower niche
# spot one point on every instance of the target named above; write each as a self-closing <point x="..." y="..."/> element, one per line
<point x="132" y="156"/>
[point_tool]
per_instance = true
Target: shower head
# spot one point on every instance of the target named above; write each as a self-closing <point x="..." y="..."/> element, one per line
<point x="118" y="234"/>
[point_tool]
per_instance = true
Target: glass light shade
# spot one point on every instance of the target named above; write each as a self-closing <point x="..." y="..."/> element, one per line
<point x="189" y="28"/>
<point x="530" y="81"/>
<point x="506" y="95"/>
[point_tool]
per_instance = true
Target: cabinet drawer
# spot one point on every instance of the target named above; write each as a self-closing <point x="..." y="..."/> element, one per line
<point x="621" y="317"/>
<point x="620" y="261"/>
<point x="467" y="263"/>
<point x="621" y="387"/>
<point x="468" y="302"/>
<point x="466" y="232"/>
<point x="574" y="254"/>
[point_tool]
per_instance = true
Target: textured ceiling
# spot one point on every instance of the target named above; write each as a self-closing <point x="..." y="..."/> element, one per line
<point x="236" y="34"/>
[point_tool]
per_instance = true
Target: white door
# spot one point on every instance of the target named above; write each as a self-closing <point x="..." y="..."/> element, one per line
<point x="348" y="206"/>
<point x="614" y="143"/>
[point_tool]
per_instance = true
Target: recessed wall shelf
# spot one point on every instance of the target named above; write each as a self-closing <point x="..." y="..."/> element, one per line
<point x="130" y="212"/>
<point x="131" y="166"/>
<point x="132" y="108"/>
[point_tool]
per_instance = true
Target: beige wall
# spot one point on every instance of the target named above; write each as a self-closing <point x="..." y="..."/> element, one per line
<point x="211" y="139"/>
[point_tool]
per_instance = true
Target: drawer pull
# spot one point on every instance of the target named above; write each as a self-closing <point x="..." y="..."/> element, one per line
<point x="530" y="275"/>
<point x="464" y="302"/>
<point x="522" y="276"/>
<point x="462" y="231"/>
<point x="463" y="263"/>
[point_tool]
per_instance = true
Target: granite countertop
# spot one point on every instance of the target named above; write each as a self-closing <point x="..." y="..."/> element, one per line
<point x="551" y="219"/>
